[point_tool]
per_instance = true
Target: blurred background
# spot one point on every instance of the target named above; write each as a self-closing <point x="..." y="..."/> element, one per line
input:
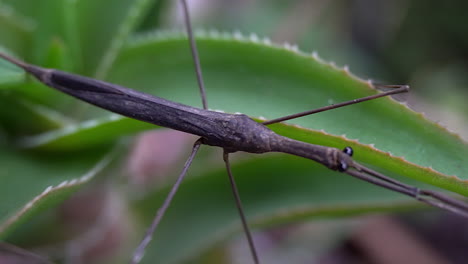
<point x="423" y="43"/>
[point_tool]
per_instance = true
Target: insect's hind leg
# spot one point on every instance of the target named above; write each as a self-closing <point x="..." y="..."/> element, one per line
<point x="235" y="192"/>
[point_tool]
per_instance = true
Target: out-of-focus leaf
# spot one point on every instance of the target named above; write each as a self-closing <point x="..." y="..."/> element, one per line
<point x="10" y="254"/>
<point x="32" y="182"/>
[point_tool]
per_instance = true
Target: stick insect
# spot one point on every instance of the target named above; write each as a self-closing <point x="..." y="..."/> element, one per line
<point x="231" y="132"/>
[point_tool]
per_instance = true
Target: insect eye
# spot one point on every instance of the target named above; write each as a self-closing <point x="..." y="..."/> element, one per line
<point x="348" y="151"/>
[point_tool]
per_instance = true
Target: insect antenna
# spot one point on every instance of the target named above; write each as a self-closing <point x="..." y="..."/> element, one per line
<point x="396" y="90"/>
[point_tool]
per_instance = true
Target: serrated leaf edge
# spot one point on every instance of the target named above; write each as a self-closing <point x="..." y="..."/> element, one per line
<point x="47" y="137"/>
<point x="52" y="189"/>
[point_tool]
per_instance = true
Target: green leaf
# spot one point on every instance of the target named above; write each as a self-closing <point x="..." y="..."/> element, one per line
<point x="10" y="75"/>
<point x="246" y="75"/>
<point x="104" y="25"/>
<point x="23" y="117"/>
<point x="85" y="135"/>
<point x="31" y="183"/>
<point x="131" y="20"/>
<point x="15" y="29"/>
<point x="50" y="16"/>
<point x="158" y="11"/>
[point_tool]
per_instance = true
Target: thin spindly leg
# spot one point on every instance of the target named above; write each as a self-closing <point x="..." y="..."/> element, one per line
<point x="235" y="192"/>
<point x="194" y="50"/>
<point x="140" y="250"/>
<point x="396" y="90"/>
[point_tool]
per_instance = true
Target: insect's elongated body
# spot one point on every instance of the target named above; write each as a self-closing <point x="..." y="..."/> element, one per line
<point x="233" y="132"/>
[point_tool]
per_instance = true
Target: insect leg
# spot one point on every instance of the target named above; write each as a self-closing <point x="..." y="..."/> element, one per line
<point x="140" y="250"/>
<point x="194" y="50"/>
<point x="396" y="90"/>
<point x="235" y="192"/>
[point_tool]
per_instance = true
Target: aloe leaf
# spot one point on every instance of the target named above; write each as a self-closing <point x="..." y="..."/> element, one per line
<point x="135" y="13"/>
<point x="23" y="117"/>
<point x="158" y="11"/>
<point x="15" y="29"/>
<point x="10" y="75"/>
<point x="286" y="81"/>
<point x="32" y="182"/>
<point x="56" y="55"/>
<point x="104" y="25"/>
<point x="272" y="81"/>
<point x="50" y="16"/>
<point x="84" y="135"/>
